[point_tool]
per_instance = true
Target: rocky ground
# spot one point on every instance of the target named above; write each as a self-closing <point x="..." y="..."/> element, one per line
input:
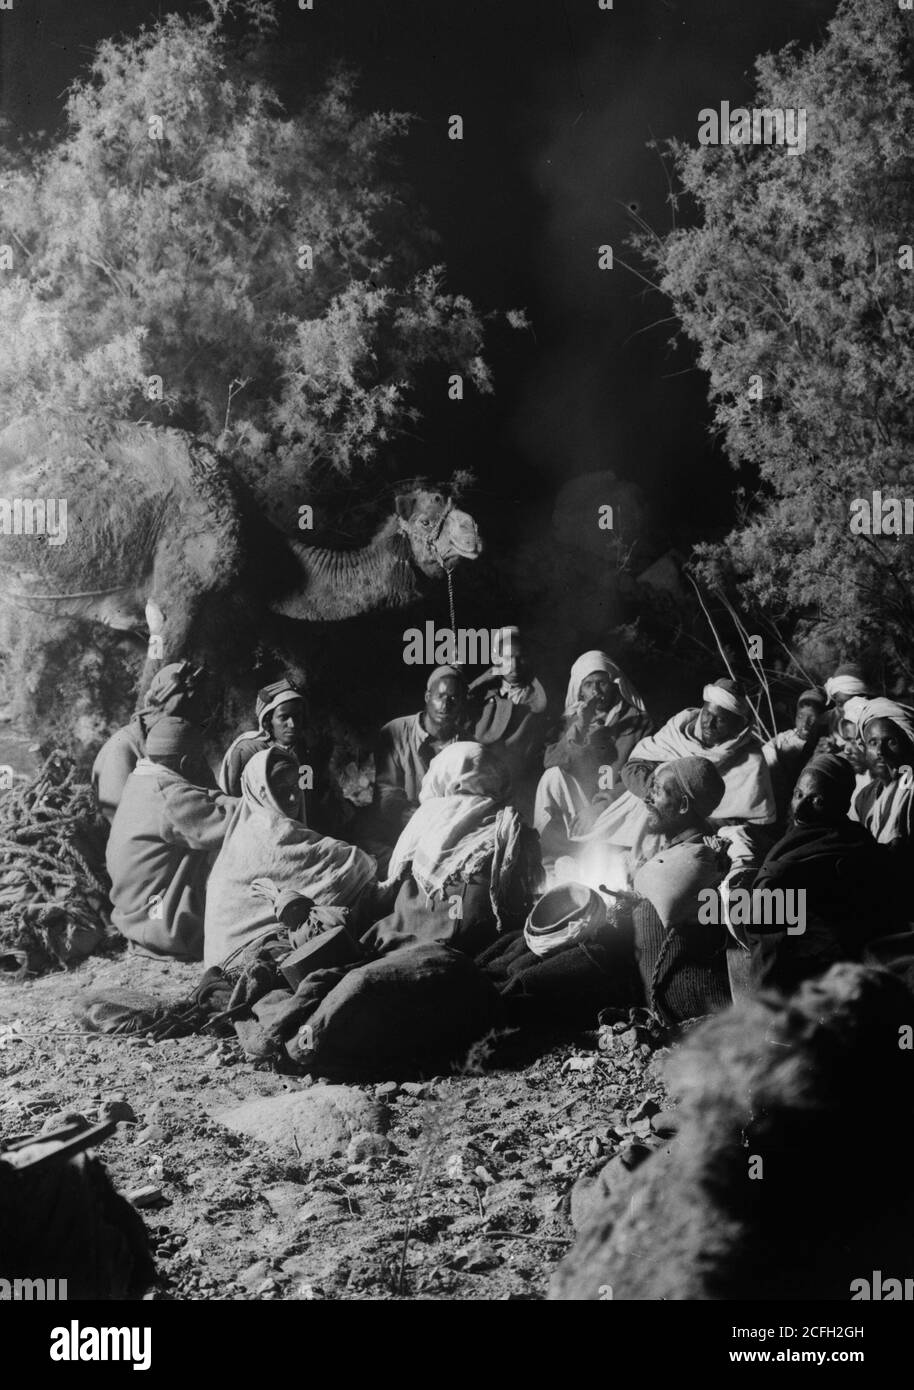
<point x="458" y="1187"/>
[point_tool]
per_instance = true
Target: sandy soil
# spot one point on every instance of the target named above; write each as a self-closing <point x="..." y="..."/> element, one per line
<point x="473" y="1201"/>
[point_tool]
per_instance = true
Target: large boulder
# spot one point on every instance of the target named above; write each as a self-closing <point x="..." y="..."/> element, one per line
<point x="315" y="1123"/>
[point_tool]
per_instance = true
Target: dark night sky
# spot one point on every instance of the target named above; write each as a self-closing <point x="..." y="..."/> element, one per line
<point x="558" y="99"/>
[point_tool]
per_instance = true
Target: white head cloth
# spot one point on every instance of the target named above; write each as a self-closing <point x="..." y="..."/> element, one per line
<point x="845" y="685"/>
<point x="716" y="695"/>
<point x="590" y="663"/>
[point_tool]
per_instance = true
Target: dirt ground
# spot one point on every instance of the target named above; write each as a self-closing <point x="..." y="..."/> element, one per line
<point x="473" y="1200"/>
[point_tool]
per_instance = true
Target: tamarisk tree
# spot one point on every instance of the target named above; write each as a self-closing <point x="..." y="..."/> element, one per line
<point x="798" y="288"/>
<point x="188" y="252"/>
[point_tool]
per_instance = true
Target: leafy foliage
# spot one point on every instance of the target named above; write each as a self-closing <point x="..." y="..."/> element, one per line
<point x="794" y="275"/>
<point x="183" y="257"/>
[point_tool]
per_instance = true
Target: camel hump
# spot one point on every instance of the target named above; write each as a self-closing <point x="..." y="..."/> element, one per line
<point x="130" y="491"/>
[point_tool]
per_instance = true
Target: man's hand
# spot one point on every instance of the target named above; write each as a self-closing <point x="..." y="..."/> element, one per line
<point x="265" y="888"/>
<point x="584" y="821"/>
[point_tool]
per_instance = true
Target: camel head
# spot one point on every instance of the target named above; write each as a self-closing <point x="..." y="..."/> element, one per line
<point x="440" y="535"/>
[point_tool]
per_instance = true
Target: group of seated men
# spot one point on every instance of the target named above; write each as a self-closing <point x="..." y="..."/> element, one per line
<point x="682" y="864"/>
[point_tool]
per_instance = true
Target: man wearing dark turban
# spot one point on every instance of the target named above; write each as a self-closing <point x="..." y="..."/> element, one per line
<point x="175" y="690"/>
<point x="164" y="837"/>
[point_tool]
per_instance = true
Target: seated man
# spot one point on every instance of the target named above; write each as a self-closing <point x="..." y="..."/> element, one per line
<point x="466" y="867"/>
<point x="681" y="956"/>
<point x="787" y="752"/>
<point x="721" y="732"/>
<point x="406" y="748"/>
<point x="163" y="839"/>
<point x="280" y="715"/>
<point x="175" y="690"/>
<point x="654" y="949"/>
<point x="510" y="715"/>
<point x="281" y="712"/>
<point x="604" y="720"/>
<point x="845" y="876"/>
<point x="885" y="805"/>
<point x="269" y="854"/>
<point x="848" y="683"/>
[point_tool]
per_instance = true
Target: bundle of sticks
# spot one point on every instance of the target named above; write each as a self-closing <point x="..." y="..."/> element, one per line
<point x="54" y="907"/>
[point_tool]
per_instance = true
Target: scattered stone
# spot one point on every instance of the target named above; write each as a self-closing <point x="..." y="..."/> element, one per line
<point x="579" y="1064"/>
<point x="386" y="1091"/>
<point x="509" y="1199"/>
<point x="454" y="1167"/>
<point x="149" y="1196"/>
<point x="283" y="1199"/>
<point x="365" y="1145"/>
<point x="665" y="1123"/>
<point x="62" y="1119"/>
<point x="645" y="1110"/>
<point x="633" y="1155"/>
<point x="152" y="1134"/>
<point x="117" y="1108"/>
<point x="312" y="1124"/>
<point x="420" y="1089"/>
<point x="476" y="1257"/>
<point x="254" y="1275"/>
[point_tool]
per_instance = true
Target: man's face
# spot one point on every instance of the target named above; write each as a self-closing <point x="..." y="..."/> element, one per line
<point x="285" y="788"/>
<point x="809" y="802"/>
<point x="840" y="701"/>
<point x="886" y="749"/>
<point x="667" y="806"/>
<point x="807" y="719"/>
<point x="287" y="723"/>
<point x="716" y="725"/>
<point x="511" y="659"/>
<point x="445" y="703"/>
<point x="598" y="687"/>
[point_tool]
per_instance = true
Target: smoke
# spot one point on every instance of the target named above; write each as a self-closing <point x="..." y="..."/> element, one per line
<point x="609" y="392"/>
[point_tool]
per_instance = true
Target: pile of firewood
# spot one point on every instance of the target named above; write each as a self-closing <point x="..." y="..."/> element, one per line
<point x="54" y="907"/>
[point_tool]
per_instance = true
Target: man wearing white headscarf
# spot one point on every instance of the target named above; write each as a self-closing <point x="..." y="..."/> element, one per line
<point x="468" y="867"/>
<point x="266" y="840"/>
<point x="721" y="731"/>
<point x="885" y="806"/>
<point x="603" y="722"/>
<point x="848" y="683"/>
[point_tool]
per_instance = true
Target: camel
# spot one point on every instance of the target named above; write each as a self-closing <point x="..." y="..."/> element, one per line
<point x="159" y="526"/>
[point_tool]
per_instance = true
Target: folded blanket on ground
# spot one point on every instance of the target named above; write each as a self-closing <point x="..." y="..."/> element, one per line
<point x="414" y="1011"/>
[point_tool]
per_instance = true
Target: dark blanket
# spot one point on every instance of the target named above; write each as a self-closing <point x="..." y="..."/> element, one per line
<point x="415" y="1011"/>
<point x="570" y="985"/>
<point x="463" y="919"/>
<point x="851" y="898"/>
